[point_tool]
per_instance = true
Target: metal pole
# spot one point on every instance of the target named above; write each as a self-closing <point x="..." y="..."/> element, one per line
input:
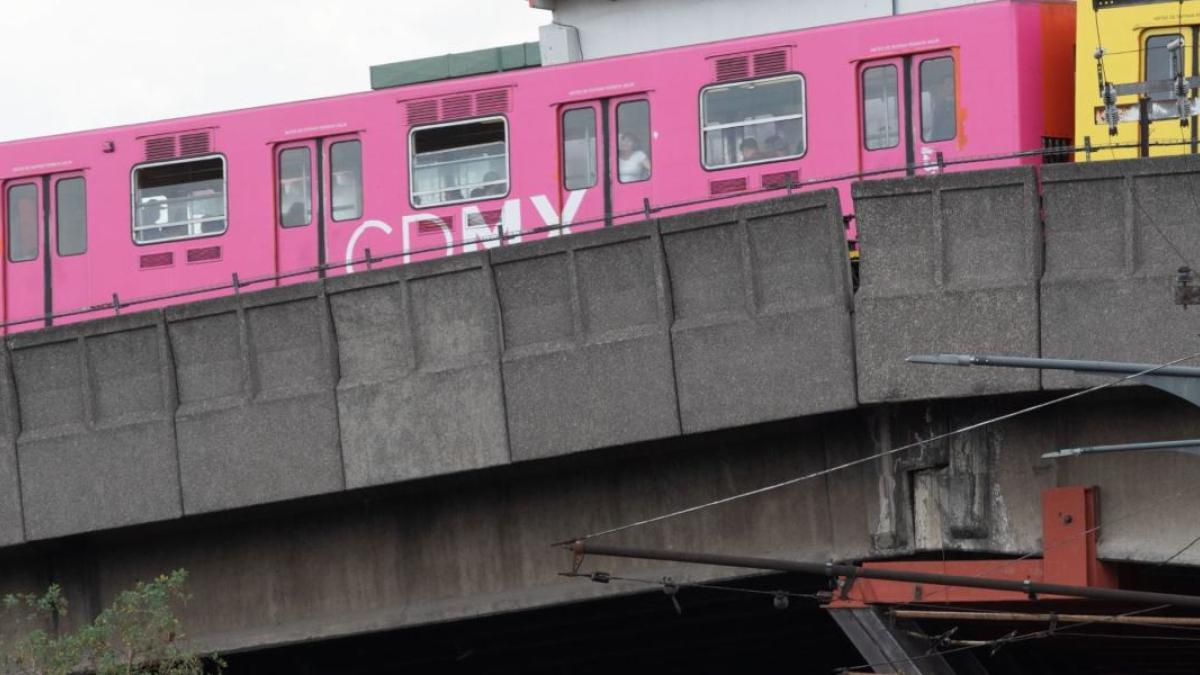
<point x="1030" y="588"/>
<point x="1028" y="617"/>
<point x="1193" y="444"/>
<point x="1053" y="364"/>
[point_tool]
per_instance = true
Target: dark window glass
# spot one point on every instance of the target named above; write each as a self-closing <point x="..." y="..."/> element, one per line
<point x="633" y="141"/>
<point x="179" y="200"/>
<point x="751" y="122"/>
<point x="345" y="180"/>
<point x="459" y="162"/>
<point x="1158" y="61"/>
<point x="579" y="148"/>
<point x="70" y="216"/>
<point x="295" y="187"/>
<point x="881" y="108"/>
<point x="22" y="222"/>
<point x="939" y="105"/>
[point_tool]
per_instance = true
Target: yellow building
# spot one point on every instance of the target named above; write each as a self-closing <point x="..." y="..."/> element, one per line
<point x="1142" y="43"/>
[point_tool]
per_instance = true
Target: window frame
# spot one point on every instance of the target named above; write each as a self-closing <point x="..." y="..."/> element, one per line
<point x="39" y="201"/>
<point x="803" y="117"/>
<point x="179" y="160"/>
<point x="362" y="178"/>
<point x="648" y="141"/>
<point x="954" y="73"/>
<point x="279" y="215"/>
<point x="470" y="120"/>
<point x="862" y="81"/>
<point x="1162" y="32"/>
<point x="57" y="184"/>
<point x="596" y="143"/>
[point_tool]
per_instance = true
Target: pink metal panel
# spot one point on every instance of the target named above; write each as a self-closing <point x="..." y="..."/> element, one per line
<point x="1002" y="109"/>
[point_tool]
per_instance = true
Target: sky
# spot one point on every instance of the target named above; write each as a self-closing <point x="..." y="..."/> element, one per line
<point x="81" y="64"/>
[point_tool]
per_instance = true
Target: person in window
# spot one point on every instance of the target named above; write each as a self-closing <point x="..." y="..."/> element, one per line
<point x="491" y="187"/>
<point x="750" y="151"/>
<point x="775" y="147"/>
<point x="632" y="163"/>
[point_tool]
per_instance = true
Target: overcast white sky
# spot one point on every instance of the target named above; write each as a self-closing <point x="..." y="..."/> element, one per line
<point x="80" y="64"/>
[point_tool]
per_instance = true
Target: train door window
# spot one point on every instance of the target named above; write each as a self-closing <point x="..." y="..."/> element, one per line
<point x="1158" y="61"/>
<point x="459" y="162"/>
<point x="295" y="187"/>
<point x="179" y="200"/>
<point x="633" y="141"/>
<point x="70" y="216"/>
<point x="939" y="106"/>
<point x="881" y="107"/>
<point x="752" y="122"/>
<point x="579" y="148"/>
<point x="22" y="219"/>
<point x="346" y="185"/>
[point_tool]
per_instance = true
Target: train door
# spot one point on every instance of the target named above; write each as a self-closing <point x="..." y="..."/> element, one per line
<point x="934" y="109"/>
<point x="909" y="112"/>
<point x="45" y="221"/>
<point x="606" y="150"/>
<point x="318" y="189"/>
<point x="887" y="142"/>
<point x="299" y="216"/>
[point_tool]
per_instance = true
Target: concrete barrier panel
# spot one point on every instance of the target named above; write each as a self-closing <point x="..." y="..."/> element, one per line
<point x="949" y="264"/>
<point x="587" y="356"/>
<point x="257" y="418"/>
<point x="420" y="391"/>
<point x="97" y="442"/>
<point x="12" y="522"/>
<point x="1116" y="232"/>
<point x="761" y="298"/>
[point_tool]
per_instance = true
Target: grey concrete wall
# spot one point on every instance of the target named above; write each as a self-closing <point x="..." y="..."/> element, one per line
<point x="479" y="543"/>
<point x="420" y="391"/>
<point x="1116" y="232"/>
<point x="950" y="263"/>
<point x="569" y="344"/>
<point x="762" y="303"/>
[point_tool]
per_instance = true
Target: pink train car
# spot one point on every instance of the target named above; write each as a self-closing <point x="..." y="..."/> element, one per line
<point x="142" y="212"/>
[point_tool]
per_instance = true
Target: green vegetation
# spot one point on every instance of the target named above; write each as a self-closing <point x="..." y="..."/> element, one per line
<point x="139" y="633"/>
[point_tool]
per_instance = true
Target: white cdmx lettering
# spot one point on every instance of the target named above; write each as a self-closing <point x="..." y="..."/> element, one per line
<point x="476" y="232"/>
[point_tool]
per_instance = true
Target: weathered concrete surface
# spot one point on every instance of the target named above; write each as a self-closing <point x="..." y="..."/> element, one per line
<point x="587" y="354"/>
<point x="478" y="542"/>
<point x="761" y="299"/>
<point x="1116" y="232"/>
<point x="257" y="418"/>
<point x="576" y="343"/>
<point x="950" y="264"/>
<point x="97" y="438"/>
<point x="420" y="391"/>
<point x="12" y="522"/>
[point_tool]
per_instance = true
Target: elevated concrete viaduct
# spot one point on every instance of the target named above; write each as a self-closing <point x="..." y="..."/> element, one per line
<point x="400" y="447"/>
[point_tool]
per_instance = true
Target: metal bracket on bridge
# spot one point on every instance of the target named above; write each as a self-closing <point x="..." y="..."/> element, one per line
<point x="1181" y="381"/>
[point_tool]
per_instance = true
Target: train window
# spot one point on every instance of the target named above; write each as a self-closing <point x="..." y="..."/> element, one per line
<point x="579" y="148"/>
<point x="1158" y="61"/>
<point x="22" y="222"/>
<point x="70" y="216"/>
<point x="459" y="162"/>
<point x="881" y="108"/>
<point x="345" y="187"/>
<point x="633" y="141"/>
<point x="295" y="188"/>
<point x="178" y="200"/>
<point x="939" y="107"/>
<point x="751" y="122"/>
